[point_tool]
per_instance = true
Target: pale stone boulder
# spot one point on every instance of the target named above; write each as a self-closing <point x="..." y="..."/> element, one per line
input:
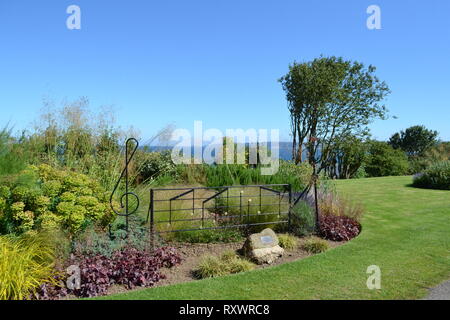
<point x="263" y="247"/>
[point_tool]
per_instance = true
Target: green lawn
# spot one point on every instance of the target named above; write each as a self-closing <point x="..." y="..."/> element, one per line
<point x="406" y="232"/>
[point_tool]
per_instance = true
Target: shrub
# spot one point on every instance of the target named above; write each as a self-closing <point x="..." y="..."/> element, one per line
<point x="287" y="241"/>
<point x="98" y="242"/>
<point x="167" y="257"/>
<point x="338" y="228"/>
<point x="133" y="268"/>
<point x="315" y="245"/>
<point x="229" y="262"/>
<point x="347" y="158"/>
<point x="152" y="165"/>
<point x="129" y="267"/>
<point x="25" y="264"/>
<point x="440" y="152"/>
<point x="437" y="176"/>
<point x="303" y="219"/>
<point x="95" y="276"/>
<point x="46" y="198"/>
<point x="383" y="160"/>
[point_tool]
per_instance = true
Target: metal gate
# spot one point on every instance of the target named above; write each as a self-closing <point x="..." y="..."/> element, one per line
<point x="206" y="208"/>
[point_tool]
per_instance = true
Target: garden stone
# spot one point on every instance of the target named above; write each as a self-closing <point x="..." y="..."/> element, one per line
<point x="263" y="247"/>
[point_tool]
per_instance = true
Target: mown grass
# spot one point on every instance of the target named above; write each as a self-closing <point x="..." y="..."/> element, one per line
<point x="405" y="232"/>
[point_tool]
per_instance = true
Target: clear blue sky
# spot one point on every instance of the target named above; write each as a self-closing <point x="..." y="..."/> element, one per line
<point x="161" y="62"/>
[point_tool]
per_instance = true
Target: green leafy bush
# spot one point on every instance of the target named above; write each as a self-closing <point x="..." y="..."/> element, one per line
<point x="288" y="241"/>
<point x="26" y="263"/>
<point x="42" y="197"/>
<point x="315" y="245"/>
<point x="383" y="160"/>
<point x="229" y="262"/>
<point x="437" y="176"/>
<point x="153" y="165"/>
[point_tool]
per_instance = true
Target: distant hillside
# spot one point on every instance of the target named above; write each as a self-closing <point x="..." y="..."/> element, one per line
<point x="285" y="150"/>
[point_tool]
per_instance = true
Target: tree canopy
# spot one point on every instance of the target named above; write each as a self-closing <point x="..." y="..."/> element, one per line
<point x="330" y="99"/>
<point x="415" y="140"/>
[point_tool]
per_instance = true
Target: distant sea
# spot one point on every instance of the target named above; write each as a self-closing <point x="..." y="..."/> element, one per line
<point x="284" y="150"/>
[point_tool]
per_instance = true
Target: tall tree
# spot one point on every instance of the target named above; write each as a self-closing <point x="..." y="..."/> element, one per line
<point x="330" y="99"/>
<point x="415" y="140"/>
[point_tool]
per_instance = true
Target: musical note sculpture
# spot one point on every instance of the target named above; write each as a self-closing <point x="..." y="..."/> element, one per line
<point x="125" y="198"/>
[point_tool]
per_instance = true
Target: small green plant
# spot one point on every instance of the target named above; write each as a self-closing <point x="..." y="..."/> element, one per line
<point x="228" y="256"/>
<point x="229" y="262"/>
<point x="210" y="266"/>
<point x="303" y="219"/>
<point x="239" y="265"/>
<point x="288" y="241"/>
<point x="315" y="245"/>
<point x="26" y="263"/>
<point x="94" y="241"/>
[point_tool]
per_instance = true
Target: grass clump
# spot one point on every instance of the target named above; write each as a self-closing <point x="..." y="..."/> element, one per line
<point x="315" y="245"/>
<point x="229" y="262"/>
<point x="26" y="263"/>
<point x="288" y="241"/>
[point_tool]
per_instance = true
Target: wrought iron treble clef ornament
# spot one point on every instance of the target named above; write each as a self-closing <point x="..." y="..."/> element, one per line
<point x="127" y="194"/>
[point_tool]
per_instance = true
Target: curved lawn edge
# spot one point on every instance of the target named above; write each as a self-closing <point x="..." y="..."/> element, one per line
<point x="405" y="233"/>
